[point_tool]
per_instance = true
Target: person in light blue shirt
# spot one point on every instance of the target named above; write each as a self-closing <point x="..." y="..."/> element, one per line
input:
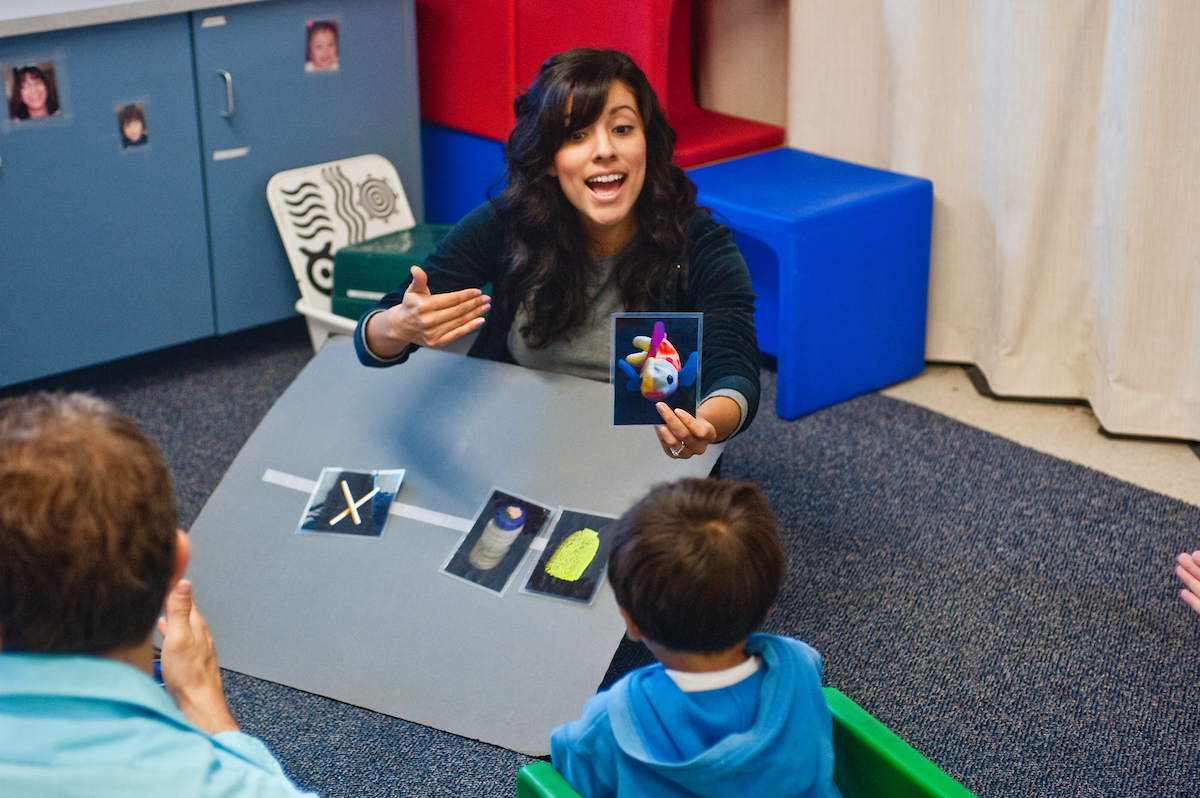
<point x="88" y="552"/>
<point x="695" y="567"/>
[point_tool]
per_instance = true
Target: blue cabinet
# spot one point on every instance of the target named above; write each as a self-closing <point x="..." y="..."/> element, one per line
<point x="108" y="251"/>
<point x="103" y="250"/>
<point x="284" y="117"/>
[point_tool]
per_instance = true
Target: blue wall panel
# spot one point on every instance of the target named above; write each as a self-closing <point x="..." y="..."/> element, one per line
<point x="461" y="171"/>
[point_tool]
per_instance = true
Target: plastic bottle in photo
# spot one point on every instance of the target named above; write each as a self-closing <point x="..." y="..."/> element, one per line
<point x="497" y="537"/>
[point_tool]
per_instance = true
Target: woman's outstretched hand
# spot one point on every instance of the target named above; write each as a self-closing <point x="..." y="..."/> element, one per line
<point x="426" y="319"/>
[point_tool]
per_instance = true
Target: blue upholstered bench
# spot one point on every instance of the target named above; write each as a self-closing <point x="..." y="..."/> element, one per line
<point x="839" y="256"/>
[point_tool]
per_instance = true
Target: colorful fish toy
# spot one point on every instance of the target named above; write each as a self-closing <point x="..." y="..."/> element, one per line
<point x="657" y="370"/>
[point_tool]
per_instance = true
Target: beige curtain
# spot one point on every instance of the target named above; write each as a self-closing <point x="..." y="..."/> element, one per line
<point x="1063" y="141"/>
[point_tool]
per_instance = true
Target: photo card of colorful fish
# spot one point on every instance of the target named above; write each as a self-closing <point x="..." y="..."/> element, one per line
<point x="575" y="558"/>
<point x="490" y="552"/>
<point x="655" y="358"/>
<point x="351" y="502"/>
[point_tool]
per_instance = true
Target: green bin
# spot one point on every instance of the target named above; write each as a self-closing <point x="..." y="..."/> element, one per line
<point x="364" y="272"/>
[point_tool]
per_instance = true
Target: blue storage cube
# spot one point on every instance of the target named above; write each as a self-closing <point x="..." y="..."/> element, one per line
<point x="839" y="256"/>
<point x="461" y="171"/>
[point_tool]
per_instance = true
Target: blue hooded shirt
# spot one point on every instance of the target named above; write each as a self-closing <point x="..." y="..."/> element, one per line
<point x="770" y="735"/>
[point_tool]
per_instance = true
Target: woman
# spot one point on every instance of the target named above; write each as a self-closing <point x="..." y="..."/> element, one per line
<point x="33" y="96"/>
<point x="595" y="220"/>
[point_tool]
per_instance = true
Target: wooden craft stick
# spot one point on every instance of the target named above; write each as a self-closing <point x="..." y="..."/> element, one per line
<point x="350" y="505"/>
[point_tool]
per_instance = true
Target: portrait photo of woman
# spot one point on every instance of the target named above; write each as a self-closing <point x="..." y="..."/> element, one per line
<point x="32" y="93"/>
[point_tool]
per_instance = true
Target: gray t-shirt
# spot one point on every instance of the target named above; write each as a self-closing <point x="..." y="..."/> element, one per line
<point x="585" y="353"/>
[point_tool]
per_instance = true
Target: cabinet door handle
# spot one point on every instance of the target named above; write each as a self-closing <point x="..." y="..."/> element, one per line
<point x="228" y="93"/>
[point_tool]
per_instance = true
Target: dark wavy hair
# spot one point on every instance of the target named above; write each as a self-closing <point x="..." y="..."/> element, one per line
<point x="549" y="266"/>
<point x="17" y="107"/>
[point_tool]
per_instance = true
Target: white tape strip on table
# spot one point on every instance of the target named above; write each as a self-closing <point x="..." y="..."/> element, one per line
<point x="289" y="481"/>
<point x="430" y="517"/>
<point x="398" y="508"/>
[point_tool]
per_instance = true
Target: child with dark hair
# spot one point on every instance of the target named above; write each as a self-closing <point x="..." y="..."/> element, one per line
<point x="696" y="566"/>
<point x="321" y="54"/>
<point x="133" y="125"/>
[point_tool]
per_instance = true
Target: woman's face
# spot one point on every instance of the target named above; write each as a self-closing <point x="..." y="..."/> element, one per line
<point x="322" y="48"/>
<point x="602" y="169"/>
<point x="33" y="94"/>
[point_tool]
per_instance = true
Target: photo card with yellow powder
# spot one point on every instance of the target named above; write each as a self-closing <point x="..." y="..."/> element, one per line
<point x="575" y="558"/>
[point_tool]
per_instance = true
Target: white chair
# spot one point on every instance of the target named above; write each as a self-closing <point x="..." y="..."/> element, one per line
<point x="320" y="209"/>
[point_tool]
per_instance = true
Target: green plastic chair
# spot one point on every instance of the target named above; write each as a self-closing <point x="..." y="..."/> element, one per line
<point x="870" y="761"/>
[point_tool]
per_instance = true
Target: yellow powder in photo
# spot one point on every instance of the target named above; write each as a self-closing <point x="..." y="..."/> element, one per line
<point x="574" y="555"/>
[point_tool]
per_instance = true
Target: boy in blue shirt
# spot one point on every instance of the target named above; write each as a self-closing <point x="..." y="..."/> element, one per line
<point x="88" y="552"/>
<point x="695" y="567"/>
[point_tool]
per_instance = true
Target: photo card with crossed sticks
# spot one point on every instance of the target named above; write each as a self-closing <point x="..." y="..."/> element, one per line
<point x="351" y="502"/>
<point x="575" y="558"/>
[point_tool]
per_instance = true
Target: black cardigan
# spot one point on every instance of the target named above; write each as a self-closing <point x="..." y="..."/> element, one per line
<point x="711" y="279"/>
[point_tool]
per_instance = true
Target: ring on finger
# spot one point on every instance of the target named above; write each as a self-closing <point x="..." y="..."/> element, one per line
<point x="677" y="450"/>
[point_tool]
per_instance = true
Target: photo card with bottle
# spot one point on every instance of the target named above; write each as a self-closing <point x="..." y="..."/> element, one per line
<point x="490" y="552"/>
<point x="575" y="557"/>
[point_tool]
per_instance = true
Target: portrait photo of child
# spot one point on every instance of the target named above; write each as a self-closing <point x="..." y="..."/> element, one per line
<point x="132" y="121"/>
<point x="321" y="50"/>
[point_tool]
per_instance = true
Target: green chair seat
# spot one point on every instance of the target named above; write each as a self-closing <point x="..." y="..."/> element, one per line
<point x="364" y="272"/>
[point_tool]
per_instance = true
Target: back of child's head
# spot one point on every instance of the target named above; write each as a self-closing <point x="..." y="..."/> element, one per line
<point x="87" y="527"/>
<point x="697" y="563"/>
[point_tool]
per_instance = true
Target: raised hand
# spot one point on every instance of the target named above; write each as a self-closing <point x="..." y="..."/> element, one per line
<point x="426" y="319"/>
<point x="1188" y="570"/>
<point x="189" y="663"/>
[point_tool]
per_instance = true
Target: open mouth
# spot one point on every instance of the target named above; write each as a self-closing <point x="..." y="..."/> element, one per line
<point x="606" y="185"/>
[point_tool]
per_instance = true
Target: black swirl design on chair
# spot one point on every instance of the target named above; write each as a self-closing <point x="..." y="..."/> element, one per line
<point x="296" y="190"/>
<point x="310" y="209"/>
<point x="377" y="197"/>
<point x="343" y="205"/>
<point x="321" y="277"/>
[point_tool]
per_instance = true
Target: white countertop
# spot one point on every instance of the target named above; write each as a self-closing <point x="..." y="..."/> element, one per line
<point x="33" y="16"/>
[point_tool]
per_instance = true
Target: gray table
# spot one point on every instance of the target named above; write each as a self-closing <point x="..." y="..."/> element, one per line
<point x="372" y="621"/>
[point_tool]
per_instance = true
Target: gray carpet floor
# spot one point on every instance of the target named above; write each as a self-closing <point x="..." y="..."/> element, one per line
<point x="1011" y="615"/>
